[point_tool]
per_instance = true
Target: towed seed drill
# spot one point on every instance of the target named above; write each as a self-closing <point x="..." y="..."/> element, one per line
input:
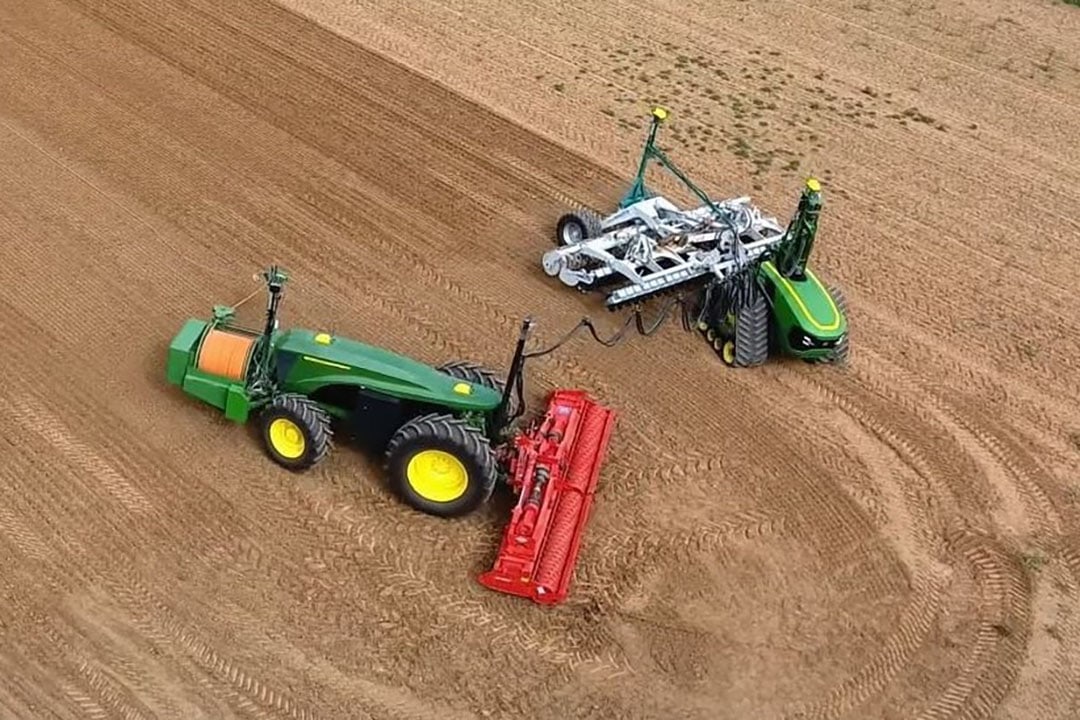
<point x="753" y="294"/>
<point x="448" y="434"/>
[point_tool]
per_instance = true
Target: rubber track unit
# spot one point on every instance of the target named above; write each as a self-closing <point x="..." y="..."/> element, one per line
<point x="438" y="430"/>
<point x="752" y="332"/>
<point x="840" y="354"/>
<point x="306" y="413"/>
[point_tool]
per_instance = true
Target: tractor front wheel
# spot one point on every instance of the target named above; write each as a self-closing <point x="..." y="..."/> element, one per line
<point x="295" y="431"/>
<point x="441" y="465"/>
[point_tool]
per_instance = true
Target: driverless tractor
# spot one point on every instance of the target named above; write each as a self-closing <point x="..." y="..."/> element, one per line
<point x="753" y="294"/>
<point x="448" y="434"/>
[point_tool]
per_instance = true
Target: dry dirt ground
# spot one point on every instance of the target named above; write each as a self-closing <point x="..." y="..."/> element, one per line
<point x="897" y="539"/>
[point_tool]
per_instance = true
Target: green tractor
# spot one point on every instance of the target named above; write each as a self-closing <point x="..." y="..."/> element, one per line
<point x="774" y="304"/>
<point x="441" y="430"/>
<point x="748" y="278"/>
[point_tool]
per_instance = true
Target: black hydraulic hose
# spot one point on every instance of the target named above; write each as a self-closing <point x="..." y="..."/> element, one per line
<point x="633" y="320"/>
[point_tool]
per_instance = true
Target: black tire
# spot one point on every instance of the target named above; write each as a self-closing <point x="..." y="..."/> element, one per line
<point x="752" y="332"/>
<point x="577" y="226"/>
<point x="297" y="420"/>
<point x="473" y="373"/>
<point x="449" y="435"/>
<point x="476" y="374"/>
<point x="840" y="352"/>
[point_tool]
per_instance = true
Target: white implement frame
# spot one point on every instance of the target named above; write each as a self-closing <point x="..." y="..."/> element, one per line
<point x="656" y="246"/>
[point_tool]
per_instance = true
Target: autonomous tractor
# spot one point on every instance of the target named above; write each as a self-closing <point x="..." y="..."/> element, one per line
<point x="753" y="294"/>
<point x="447" y="434"/>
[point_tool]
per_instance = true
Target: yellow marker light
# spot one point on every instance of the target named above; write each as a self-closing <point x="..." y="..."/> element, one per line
<point x="323" y="338"/>
<point x="660" y="113"/>
<point x="813" y="185"/>
<point x="463" y="389"/>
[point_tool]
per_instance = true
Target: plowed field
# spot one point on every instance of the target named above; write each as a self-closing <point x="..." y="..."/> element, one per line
<point x="899" y="538"/>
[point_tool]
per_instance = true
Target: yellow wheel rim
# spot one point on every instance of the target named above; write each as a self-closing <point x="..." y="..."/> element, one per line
<point x="437" y="476"/>
<point x="287" y="438"/>
<point x="728" y="352"/>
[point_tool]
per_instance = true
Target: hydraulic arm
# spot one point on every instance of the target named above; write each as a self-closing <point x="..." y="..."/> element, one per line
<point x="793" y="251"/>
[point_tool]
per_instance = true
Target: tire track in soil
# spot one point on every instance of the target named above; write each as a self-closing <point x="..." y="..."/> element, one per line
<point x="516" y="635"/>
<point x="37" y="419"/>
<point x="927" y="586"/>
<point x="329" y="598"/>
<point x="925" y="525"/>
<point x="994" y="387"/>
<point x="390" y="702"/>
<point x="600" y="578"/>
<point x="22" y="537"/>
<point x="991" y="572"/>
<point x="347" y="550"/>
<point x="992" y="666"/>
<point x="63" y="647"/>
<point x="160" y="625"/>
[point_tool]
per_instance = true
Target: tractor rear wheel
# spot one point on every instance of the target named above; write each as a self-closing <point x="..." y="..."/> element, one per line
<point x="441" y="465"/>
<point x="577" y="226"/>
<point x="751" y="341"/>
<point x="295" y="431"/>
<point x="476" y="374"/>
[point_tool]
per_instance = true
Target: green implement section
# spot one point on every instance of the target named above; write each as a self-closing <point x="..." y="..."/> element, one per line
<point x="807" y="319"/>
<point x="228" y="396"/>
<point x="811" y="306"/>
<point x="309" y="361"/>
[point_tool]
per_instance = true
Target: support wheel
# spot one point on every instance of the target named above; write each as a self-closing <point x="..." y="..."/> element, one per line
<point x="840" y="352"/>
<point x="440" y="465"/>
<point x="295" y="431"/>
<point x="751" y="341"/>
<point x="577" y="226"/>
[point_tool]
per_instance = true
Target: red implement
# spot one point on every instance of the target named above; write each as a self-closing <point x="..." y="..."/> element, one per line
<point x="555" y="471"/>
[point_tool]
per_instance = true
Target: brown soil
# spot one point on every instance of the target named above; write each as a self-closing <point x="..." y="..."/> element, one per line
<point x="897" y="539"/>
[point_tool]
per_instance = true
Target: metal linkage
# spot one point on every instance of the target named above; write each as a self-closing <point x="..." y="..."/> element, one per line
<point x="653" y="247"/>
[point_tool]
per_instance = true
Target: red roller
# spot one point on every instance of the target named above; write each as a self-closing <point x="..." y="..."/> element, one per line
<point x="555" y="470"/>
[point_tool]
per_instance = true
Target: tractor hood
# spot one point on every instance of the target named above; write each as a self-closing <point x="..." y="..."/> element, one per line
<point x="308" y="360"/>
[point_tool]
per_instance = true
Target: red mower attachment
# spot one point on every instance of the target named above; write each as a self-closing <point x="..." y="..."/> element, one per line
<point x="555" y="470"/>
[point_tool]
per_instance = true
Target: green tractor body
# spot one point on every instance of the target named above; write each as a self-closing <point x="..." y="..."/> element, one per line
<point x="806" y="321"/>
<point x="336" y="371"/>
<point x="298" y="381"/>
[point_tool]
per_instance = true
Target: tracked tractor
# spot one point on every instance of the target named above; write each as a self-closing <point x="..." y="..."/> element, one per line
<point x="752" y="292"/>
<point x="447" y="434"/>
